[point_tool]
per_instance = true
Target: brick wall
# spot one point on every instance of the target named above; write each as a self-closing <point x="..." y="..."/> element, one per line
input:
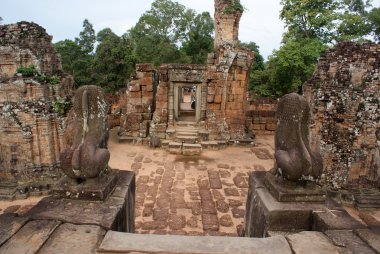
<point x="23" y="44"/>
<point x="344" y="94"/>
<point x="31" y="132"/>
<point x="262" y="114"/>
<point x="138" y="108"/>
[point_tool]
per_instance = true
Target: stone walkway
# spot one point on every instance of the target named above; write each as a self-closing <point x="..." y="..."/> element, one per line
<point x="201" y="195"/>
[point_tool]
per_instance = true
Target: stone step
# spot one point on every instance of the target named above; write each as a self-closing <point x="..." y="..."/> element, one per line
<point x="165" y="143"/>
<point x="211" y="145"/>
<point x="175" y="148"/>
<point x="186" y="124"/>
<point x="191" y="149"/>
<point x="186" y="133"/>
<point x="187" y="139"/>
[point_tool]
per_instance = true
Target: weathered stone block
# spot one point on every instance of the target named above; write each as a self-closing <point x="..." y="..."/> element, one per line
<point x="22" y="242"/>
<point x="125" y="243"/>
<point x="116" y="212"/>
<point x="69" y="238"/>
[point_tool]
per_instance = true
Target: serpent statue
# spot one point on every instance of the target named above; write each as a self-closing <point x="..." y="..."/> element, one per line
<point x="294" y="157"/>
<point x="86" y="135"/>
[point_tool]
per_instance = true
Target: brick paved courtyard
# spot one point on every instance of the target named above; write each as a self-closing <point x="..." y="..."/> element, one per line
<point x="202" y="195"/>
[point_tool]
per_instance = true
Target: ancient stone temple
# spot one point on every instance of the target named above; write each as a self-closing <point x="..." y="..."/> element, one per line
<point x="31" y="110"/>
<point x="344" y="96"/>
<point x="24" y="44"/>
<point x="192" y="107"/>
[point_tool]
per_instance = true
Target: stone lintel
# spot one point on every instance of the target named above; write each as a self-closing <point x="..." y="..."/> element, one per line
<point x="90" y="189"/>
<point x="310" y="192"/>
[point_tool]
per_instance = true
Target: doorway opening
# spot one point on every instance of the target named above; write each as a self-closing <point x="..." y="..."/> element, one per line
<point x="187" y="103"/>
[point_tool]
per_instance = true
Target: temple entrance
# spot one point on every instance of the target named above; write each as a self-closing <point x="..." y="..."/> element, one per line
<point x="187" y="102"/>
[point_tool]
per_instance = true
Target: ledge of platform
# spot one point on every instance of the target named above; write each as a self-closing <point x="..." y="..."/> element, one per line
<point x="264" y="213"/>
<point x="114" y="213"/>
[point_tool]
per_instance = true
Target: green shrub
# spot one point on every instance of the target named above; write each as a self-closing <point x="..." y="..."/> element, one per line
<point x="29" y="71"/>
<point x="54" y="80"/>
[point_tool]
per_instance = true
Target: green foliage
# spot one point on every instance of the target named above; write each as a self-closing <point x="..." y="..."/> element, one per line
<point x="77" y="58"/>
<point x="62" y="106"/>
<point x="374" y="20"/>
<point x="29" y="71"/>
<point x="54" y="80"/>
<point x="114" y="60"/>
<point x="86" y="38"/>
<point x="158" y="35"/>
<point x="199" y="41"/>
<point x="293" y="64"/>
<point x="234" y="6"/>
<point x="309" y="18"/>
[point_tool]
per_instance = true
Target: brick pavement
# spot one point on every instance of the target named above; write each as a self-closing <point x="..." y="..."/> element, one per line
<point x="200" y="195"/>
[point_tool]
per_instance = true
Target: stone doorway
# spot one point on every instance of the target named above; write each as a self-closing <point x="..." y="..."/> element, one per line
<point x="186" y="98"/>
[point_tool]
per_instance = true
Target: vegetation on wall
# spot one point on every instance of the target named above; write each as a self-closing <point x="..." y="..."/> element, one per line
<point x="233" y="6"/>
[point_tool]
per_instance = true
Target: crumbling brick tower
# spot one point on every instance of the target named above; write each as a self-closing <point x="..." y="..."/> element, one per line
<point x="31" y="131"/>
<point x="227" y="75"/>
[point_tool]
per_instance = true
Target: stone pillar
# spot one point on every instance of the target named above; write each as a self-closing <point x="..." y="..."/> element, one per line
<point x="227" y="17"/>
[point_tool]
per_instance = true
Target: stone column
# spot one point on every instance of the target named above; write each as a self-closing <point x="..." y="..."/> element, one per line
<point x="227" y="17"/>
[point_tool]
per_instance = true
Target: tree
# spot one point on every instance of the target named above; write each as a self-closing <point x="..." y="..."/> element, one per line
<point x="309" y="19"/>
<point x="160" y="31"/>
<point x="70" y="52"/>
<point x="114" y="61"/>
<point x="199" y="41"/>
<point x="86" y="38"/>
<point x="374" y="20"/>
<point x="293" y="64"/>
<point x="258" y="78"/>
<point x="327" y="20"/>
<point x="352" y="20"/>
<point x="1" y="20"/>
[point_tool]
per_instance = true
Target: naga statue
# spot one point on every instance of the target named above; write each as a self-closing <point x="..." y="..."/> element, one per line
<point x="294" y="157"/>
<point x="86" y="135"/>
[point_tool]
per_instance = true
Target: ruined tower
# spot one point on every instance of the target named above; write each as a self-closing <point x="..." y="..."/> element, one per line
<point x="227" y="75"/>
<point x="227" y="18"/>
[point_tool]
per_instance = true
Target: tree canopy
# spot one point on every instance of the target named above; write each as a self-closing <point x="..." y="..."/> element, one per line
<point x="312" y="26"/>
<point x="167" y="33"/>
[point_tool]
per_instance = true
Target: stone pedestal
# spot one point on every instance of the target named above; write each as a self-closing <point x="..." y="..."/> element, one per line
<point x="114" y="213"/>
<point x="266" y="215"/>
<point x="285" y="191"/>
<point x="90" y="189"/>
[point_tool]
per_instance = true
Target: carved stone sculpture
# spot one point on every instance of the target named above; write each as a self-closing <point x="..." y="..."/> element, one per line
<point x="86" y="135"/>
<point x="294" y="157"/>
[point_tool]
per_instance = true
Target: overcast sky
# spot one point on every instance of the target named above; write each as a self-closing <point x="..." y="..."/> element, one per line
<point x="63" y="18"/>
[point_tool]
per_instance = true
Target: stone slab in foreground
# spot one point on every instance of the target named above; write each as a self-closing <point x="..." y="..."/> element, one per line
<point x="116" y="242"/>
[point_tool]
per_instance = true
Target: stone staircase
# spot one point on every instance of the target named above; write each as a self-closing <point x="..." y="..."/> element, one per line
<point x="185" y="138"/>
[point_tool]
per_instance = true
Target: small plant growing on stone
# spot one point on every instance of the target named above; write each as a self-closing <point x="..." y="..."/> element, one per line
<point x="361" y="106"/>
<point x="233" y="7"/>
<point x="29" y="71"/>
<point x="42" y="78"/>
<point x="54" y="80"/>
